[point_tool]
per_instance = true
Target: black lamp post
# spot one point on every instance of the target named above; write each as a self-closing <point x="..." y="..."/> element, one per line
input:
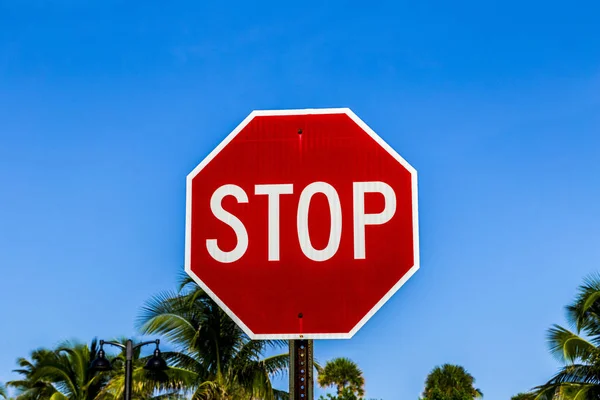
<point x="155" y="363"/>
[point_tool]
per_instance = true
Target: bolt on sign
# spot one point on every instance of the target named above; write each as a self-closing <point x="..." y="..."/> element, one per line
<point x="301" y="224"/>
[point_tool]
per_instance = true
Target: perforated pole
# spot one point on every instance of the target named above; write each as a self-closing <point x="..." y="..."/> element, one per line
<point x="301" y="370"/>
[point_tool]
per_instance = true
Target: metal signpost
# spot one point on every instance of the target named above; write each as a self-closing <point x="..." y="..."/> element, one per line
<point x="301" y="369"/>
<point x="300" y="225"/>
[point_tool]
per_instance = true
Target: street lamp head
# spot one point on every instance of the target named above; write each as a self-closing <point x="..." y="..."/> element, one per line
<point x="101" y="363"/>
<point x="156" y="362"/>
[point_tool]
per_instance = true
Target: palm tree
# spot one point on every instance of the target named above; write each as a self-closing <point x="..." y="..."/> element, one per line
<point x="450" y="382"/>
<point x="524" y="396"/>
<point x="60" y="374"/>
<point x="32" y="386"/>
<point x="3" y="392"/>
<point x="578" y="349"/>
<point x="146" y="384"/>
<point x="64" y="373"/>
<point x="342" y="373"/>
<point x="212" y="356"/>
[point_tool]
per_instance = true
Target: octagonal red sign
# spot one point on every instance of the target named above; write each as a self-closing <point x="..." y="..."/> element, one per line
<point x="302" y="224"/>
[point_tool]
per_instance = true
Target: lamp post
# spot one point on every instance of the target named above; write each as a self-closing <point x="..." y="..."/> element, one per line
<point x="154" y="363"/>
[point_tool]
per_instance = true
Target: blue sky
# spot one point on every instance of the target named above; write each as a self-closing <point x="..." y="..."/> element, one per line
<point x="106" y="106"/>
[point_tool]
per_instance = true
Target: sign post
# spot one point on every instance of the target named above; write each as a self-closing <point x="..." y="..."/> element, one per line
<point x="300" y="225"/>
<point x="301" y="369"/>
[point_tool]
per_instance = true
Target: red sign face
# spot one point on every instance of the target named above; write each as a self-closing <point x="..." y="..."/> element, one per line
<point x="302" y="223"/>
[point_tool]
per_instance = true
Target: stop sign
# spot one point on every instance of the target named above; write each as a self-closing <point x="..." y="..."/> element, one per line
<point x="302" y="224"/>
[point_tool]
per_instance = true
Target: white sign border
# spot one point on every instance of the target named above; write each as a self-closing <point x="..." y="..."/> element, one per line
<point x="224" y="143"/>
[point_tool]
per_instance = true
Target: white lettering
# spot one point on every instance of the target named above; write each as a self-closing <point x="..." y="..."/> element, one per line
<point x="361" y="219"/>
<point x="224" y="216"/>
<point x="273" y="191"/>
<point x="335" y="212"/>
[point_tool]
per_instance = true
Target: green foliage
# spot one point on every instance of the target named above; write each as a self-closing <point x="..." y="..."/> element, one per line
<point x="345" y="394"/>
<point x="64" y="373"/>
<point x="577" y="349"/>
<point x="450" y="382"/>
<point x="213" y="358"/>
<point x="454" y="394"/>
<point x="345" y="375"/>
<point x="145" y="384"/>
<point x="61" y="373"/>
<point x="3" y="393"/>
<point x="524" y="396"/>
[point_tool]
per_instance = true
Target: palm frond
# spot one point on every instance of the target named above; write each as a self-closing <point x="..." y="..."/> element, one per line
<point x="170" y="396"/>
<point x="567" y="391"/>
<point x="276" y="365"/>
<point x="186" y="283"/>
<point x="577" y="373"/>
<point x="568" y="347"/>
<point x="167" y="314"/>
<point x="280" y="395"/>
<point x="207" y="390"/>
<point x="584" y="313"/>
<point x="58" y="396"/>
<point x="185" y="361"/>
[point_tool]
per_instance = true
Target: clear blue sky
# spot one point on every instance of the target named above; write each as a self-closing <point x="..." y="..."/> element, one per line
<point x="105" y="107"/>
